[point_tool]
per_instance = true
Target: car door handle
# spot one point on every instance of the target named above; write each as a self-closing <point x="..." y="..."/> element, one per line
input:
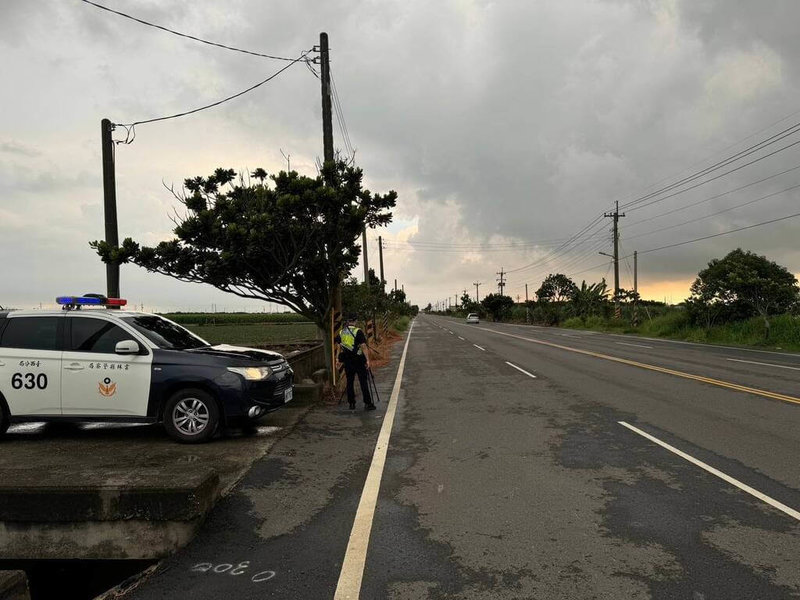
<point x="74" y="367"/>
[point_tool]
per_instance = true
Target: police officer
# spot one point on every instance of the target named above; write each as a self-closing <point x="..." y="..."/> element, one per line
<point x="353" y="354"/>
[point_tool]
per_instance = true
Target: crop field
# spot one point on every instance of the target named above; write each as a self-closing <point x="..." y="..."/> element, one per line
<point x="256" y="333"/>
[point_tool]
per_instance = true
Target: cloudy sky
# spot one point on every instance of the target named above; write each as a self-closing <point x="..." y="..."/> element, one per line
<point x="507" y="127"/>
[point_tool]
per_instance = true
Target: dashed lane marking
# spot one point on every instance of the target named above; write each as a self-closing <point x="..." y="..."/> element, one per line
<point x="352" y="573"/>
<point x="479" y="348"/>
<point x="462" y="339"/>
<point x="742" y="486"/>
<point x="633" y="363"/>
<point x="634" y="345"/>
<point x="521" y="370"/>
<point x="752" y="362"/>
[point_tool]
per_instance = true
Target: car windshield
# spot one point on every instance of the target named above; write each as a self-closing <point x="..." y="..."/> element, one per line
<point x="165" y="334"/>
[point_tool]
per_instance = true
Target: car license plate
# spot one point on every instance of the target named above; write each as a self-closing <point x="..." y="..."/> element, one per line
<point x="287" y="395"/>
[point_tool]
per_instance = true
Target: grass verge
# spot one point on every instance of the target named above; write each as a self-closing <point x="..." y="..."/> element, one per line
<point x="256" y="333"/>
<point x="675" y="325"/>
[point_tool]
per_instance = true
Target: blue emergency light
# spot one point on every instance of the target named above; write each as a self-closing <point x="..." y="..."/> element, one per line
<point x="94" y="299"/>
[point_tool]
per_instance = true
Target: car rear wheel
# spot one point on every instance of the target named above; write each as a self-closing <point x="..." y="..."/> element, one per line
<point x="191" y="416"/>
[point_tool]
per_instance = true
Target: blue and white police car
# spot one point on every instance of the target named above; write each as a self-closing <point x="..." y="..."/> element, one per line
<point x="87" y="363"/>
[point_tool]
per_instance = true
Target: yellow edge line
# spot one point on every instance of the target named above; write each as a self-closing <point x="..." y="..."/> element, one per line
<point x="625" y="361"/>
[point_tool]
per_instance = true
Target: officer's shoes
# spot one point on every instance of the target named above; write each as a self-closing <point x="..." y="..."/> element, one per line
<point x="370" y="406"/>
<point x="352" y="406"/>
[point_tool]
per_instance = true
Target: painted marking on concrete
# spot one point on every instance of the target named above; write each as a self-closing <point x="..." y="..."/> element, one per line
<point x="349" y="585"/>
<point x="633" y="363"/>
<point x="752" y="362"/>
<point x="479" y="348"/>
<point x="634" y="345"/>
<point x="568" y="335"/>
<point x="231" y="569"/>
<point x="462" y="339"/>
<point x="521" y="370"/>
<point x="451" y="333"/>
<point x="742" y="486"/>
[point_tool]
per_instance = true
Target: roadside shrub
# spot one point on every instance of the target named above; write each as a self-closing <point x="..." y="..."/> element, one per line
<point x="574" y="323"/>
<point x="401" y="323"/>
<point x="594" y="322"/>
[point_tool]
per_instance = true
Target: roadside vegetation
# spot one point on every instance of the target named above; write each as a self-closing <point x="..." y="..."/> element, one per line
<point x="742" y="299"/>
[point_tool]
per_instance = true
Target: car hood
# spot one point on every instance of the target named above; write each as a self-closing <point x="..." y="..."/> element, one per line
<point x="239" y="352"/>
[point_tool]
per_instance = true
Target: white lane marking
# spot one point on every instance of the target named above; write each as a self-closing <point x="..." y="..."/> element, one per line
<point x="752" y="362"/>
<point x="451" y="333"/>
<point x="568" y="335"/>
<point x="742" y="486"/>
<point x="349" y="585"/>
<point x="462" y="339"/>
<point x="521" y="370"/>
<point x="636" y="345"/>
<point x="479" y="348"/>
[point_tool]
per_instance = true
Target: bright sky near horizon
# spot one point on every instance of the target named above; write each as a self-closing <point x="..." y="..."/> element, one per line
<point x="505" y="127"/>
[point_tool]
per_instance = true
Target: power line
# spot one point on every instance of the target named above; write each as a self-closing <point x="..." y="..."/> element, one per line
<point x="708" y="237"/>
<point x="212" y="105"/>
<point x="714" y="197"/>
<point x="186" y="35"/>
<point x="723" y="163"/>
<point x="768" y="196"/>
<point x="697" y="185"/>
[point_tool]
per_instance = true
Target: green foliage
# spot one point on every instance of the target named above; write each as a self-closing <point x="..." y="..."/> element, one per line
<point x="285" y="239"/>
<point x="497" y="305"/>
<point x="234" y="318"/>
<point x="587" y="300"/>
<point x="574" y="323"/>
<point x="555" y="288"/>
<point x="401" y="323"/>
<point x="740" y="285"/>
<point x="254" y="334"/>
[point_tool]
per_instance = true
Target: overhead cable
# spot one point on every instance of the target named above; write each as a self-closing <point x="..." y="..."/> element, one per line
<point x="212" y="105"/>
<point x="186" y="35"/>
<point x="635" y="204"/>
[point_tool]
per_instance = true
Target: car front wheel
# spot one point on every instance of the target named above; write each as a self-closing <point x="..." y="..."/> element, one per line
<point x="191" y="416"/>
<point x="5" y="419"/>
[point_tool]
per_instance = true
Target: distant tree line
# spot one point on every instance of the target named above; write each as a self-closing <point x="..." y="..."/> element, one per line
<point x="737" y="287"/>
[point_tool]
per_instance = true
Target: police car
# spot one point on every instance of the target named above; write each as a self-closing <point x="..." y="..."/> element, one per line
<point x="86" y="363"/>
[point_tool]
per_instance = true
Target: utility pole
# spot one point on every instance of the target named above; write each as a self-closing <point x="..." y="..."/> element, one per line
<point x="110" y="205"/>
<point x="395" y="285"/>
<point x="287" y="157"/>
<point x="615" y="215"/>
<point x="477" y="284"/>
<point x="366" y="257"/>
<point x="527" y="308"/>
<point x="501" y="282"/>
<point x="325" y="76"/>
<point x="635" y="288"/>
<point x="380" y="257"/>
<point x="327" y="157"/>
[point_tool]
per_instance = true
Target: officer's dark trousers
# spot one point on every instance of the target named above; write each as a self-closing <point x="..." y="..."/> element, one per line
<point x="351" y="369"/>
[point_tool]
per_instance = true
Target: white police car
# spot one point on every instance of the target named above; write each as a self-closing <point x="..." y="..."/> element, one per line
<point x="114" y="365"/>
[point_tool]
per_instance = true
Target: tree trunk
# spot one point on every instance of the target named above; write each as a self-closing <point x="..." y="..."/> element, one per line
<point x="766" y="325"/>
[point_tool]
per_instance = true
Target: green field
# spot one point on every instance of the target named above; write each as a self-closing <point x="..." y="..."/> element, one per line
<point x="257" y="333"/>
<point x="233" y="318"/>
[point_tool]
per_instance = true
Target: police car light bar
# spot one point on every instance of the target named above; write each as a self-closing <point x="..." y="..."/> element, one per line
<point x="90" y="300"/>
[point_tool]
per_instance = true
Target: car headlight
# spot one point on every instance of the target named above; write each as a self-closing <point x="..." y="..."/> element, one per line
<point x="252" y="373"/>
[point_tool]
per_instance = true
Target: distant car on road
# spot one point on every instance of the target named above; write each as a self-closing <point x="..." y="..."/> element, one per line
<point x="473" y="318"/>
<point x="120" y="366"/>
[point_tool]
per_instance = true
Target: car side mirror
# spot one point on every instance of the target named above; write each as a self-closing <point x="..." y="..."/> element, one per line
<point x="127" y="347"/>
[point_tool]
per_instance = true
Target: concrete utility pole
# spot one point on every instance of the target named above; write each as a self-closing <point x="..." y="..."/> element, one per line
<point x="325" y="76"/>
<point x="477" y="284"/>
<point x="366" y="257"/>
<point x="635" y="288"/>
<point x="501" y="282"/>
<point x="110" y="205"/>
<point x="380" y="258"/>
<point x="395" y="285"/>
<point x="527" y="308"/>
<point x="615" y="215"/>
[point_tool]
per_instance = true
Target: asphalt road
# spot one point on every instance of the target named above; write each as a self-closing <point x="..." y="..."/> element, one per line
<point x="510" y="474"/>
